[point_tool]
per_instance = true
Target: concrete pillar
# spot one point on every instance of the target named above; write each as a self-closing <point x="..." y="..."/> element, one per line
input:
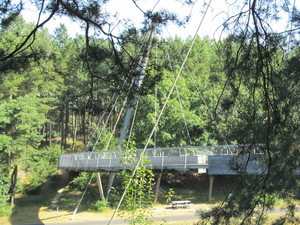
<point x="211" y="181"/>
<point x="110" y="182"/>
<point x="100" y="187"/>
<point x="156" y="190"/>
<point x="64" y="177"/>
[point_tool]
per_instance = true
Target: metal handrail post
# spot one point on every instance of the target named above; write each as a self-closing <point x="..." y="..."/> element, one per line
<point x="77" y="163"/>
<point x="97" y="164"/>
<point x="109" y="164"/>
<point x="185" y="159"/>
<point x="87" y="159"/>
<point x="162" y="161"/>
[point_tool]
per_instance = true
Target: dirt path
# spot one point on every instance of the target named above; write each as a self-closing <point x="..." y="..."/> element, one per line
<point x="162" y="211"/>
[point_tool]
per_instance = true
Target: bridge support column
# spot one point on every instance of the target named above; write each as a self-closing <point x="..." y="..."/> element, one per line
<point x="110" y="182"/>
<point x="157" y="184"/>
<point x="64" y="178"/>
<point x="100" y="187"/>
<point x="211" y="181"/>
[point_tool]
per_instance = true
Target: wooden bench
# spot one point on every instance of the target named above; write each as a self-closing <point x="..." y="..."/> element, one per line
<point x="180" y="204"/>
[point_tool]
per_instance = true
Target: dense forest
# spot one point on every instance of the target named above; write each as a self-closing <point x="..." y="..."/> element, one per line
<point x="62" y="94"/>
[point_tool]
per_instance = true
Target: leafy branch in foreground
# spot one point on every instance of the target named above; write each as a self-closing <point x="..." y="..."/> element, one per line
<point x="139" y="196"/>
<point x="264" y="109"/>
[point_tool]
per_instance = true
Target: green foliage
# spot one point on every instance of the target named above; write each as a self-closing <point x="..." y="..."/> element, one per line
<point x="4" y="187"/>
<point x="256" y="111"/>
<point x="169" y="195"/>
<point x="102" y="139"/>
<point x="43" y="166"/>
<point x="81" y="182"/>
<point x="137" y="182"/>
<point x="20" y="123"/>
<point x="100" y="206"/>
<point x="188" y="118"/>
<point x="6" y="209"/>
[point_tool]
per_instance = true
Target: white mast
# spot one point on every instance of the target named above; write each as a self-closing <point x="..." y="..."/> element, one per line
<point x="138" y="81"/>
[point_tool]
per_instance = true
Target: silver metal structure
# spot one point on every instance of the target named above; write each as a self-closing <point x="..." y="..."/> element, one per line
<point x="178" y="158"/>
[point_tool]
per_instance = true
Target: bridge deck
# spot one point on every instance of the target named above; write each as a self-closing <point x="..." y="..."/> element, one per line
<point x="179" y="158"/>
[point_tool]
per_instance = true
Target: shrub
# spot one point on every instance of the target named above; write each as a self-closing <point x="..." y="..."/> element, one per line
<point x="40" y="169"/>
<point x="4" y="196"/>
<point x="100" y="205"/>
<point x="6" y="209"/>
<point x="81" y="181"/>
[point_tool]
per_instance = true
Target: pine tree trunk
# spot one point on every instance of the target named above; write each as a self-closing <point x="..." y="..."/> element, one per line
<point x="44" y="130"/>
<point x="83" y="127"/>
<point x="74" y="124"/>
<point x="47" y="132"/>
<point x="13" y="185"/>
<point x="89" y="128"/>
<point x="62" y="117"/>
<point x="50" y="133"/>
<point x="67" y="123"/>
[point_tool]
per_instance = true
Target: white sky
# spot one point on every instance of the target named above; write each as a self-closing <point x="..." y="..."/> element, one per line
<point x="126" y="9"/>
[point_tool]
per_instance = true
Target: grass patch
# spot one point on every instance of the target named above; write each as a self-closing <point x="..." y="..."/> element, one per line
<point x="27" y="207"/>
<point x="69" y="200"/>
<point x="5" y="209"/>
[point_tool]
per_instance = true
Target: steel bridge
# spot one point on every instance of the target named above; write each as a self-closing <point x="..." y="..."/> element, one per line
<point x="214" y="160"/>
<point x="191" y="158"/>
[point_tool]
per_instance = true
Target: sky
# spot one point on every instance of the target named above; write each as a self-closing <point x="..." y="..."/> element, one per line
<point x="208" y="27"/>
<point x="216" y="14"/>
<point x="127" y="9"/>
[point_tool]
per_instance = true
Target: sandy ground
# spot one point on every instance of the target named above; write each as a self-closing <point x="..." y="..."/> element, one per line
<point x="53" y="216"/>
<point x="166" y="211"/>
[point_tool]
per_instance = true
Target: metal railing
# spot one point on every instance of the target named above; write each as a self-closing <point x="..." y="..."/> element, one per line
<point x="181" y="158"/>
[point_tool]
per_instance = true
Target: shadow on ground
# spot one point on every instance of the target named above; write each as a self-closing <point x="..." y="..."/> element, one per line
<point x="36" y="207"/>
<point x="27" y="207"/>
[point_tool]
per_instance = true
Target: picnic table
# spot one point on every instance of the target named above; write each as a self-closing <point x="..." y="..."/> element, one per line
<point x="180" y="204"/>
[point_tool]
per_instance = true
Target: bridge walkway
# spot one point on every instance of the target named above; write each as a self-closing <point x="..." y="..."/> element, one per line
<point x="213" y="160"/>
<point x="178" y="158"/>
